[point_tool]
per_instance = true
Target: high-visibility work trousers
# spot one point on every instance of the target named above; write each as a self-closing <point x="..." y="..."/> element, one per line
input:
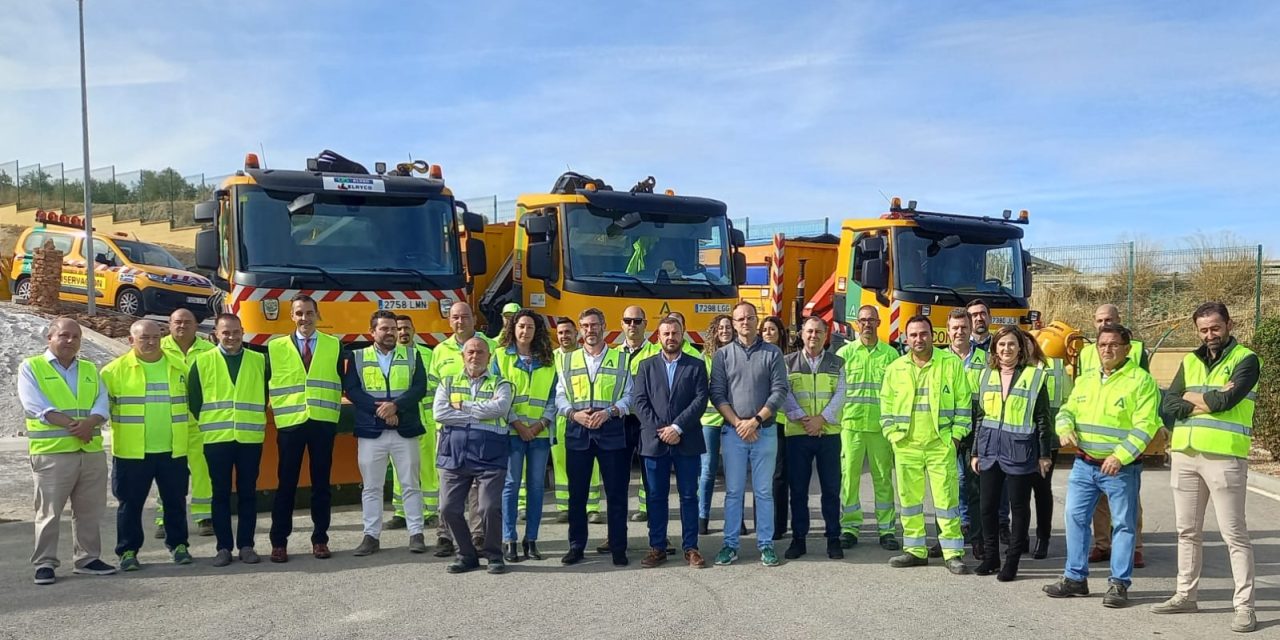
<point x="594" y="502"/>
<point x="935" y="461"/>
<point x="201" y="486"/>
<point x="872" y="447"/>
<point x="428" y="477"/>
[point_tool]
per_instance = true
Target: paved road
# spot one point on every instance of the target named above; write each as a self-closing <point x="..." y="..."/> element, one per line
<point x="398" y="595"/>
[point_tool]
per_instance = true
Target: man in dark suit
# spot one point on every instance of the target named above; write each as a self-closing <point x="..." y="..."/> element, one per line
<point x="669" y="395"/>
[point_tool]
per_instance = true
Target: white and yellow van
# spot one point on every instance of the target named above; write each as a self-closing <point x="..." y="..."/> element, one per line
<point x="134" y="277"/>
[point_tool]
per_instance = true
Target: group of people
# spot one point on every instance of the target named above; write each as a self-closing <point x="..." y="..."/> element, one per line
<point x="470" y="425"/>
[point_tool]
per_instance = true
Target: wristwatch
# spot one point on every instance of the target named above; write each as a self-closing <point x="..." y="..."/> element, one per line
<point x="759" y="420"/>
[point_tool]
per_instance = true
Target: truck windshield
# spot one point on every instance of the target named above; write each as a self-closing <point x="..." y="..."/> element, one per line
<point x="148" y="254"/>
<point x="659" y="248"/>
<point x="971" y="264"/>
<point x="349" y="233"/>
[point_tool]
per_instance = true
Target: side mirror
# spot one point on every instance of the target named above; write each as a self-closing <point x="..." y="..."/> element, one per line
<point x="206" y="211"/>
<point x="472" y="222"/>
<point x="738" y="239"/>
<point x="303" y="204"/>
<point x="538" y="225"/>
<point x="207" y="254"/>
<point x="739" y="269"/>
<point x="477" y="259"/>
<point x="538" y="263"/>
<point x="875" y="274"/>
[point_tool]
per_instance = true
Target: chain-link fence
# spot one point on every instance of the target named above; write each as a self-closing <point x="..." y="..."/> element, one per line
<point x="1155" y="289"/>
<point x="9" y="182"/>
<point x="145" y="195"/>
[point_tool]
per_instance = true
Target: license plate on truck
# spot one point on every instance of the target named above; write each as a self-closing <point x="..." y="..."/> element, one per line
<point x="196" y="300"/>
<point x="402" y="305"/>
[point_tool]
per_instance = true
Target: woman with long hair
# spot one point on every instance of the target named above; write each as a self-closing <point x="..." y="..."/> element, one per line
<point x="1012" y="445"/>
<point x="525" y="360"/>
<point x="774" y="331"/>
<point x="719" y="333"/>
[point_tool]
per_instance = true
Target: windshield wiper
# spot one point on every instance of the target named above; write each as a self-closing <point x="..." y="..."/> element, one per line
<point x="290" y="265"/>
<point x="959" y="298"/>
<point x="406" y="270"/>
<point x="643" y="285"/>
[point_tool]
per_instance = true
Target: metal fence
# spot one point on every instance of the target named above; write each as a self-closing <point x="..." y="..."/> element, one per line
<point x="147" y="195"/>
<point x="1156" y="289"/>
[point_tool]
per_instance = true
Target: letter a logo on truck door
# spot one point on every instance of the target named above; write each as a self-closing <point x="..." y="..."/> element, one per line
<point x="666" y="309"/>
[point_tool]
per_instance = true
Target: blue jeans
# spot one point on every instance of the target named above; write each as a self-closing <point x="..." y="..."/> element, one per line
<point x="535" y="454"/>
<point x="1085" y="484"/>
<point x="759" y="458"/>
<point x="658" y="470"/>
<point x="707" y="476"/>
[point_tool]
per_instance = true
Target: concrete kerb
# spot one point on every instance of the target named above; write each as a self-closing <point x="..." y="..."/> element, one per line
<point x="115" y="347"/>
<point x="1265" y="484"/>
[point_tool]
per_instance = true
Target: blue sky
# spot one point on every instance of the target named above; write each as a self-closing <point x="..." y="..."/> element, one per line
<point x="1158" y="120"/>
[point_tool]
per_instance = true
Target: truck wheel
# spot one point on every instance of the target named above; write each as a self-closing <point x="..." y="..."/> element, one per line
<point x="129" y="301"/>
<point x="22" y="289"/>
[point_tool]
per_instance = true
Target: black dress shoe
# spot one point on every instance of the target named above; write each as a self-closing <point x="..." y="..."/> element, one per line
<point x="462" y="566"/>
<point x="512" y="553"/>
<point x="573" y="557"/>
<point x="835" y="550"/>
<point x="1042" y="549"/>
<point x="620" y="559"/>
<point x="988" y="566"/>
<point x="531" y="549"/>
<point x="704" y="526"/>
<point x="795" y="550"/>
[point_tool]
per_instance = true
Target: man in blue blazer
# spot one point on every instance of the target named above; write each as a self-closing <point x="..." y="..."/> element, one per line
<point x="669" y="395"/>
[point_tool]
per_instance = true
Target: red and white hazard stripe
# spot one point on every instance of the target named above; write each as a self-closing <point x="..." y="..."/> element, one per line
<point x="775" y="275"/>
<point x="240" y="293"/>
<point x="895" y="313"/>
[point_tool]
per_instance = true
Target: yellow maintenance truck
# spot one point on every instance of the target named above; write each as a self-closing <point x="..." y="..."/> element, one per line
<point x="586" y="245"/>
<point x="355" y="241"/>
<point x="908" y="262"/>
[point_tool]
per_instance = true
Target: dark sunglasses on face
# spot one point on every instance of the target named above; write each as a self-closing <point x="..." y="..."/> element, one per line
<point x="633" y="320"/>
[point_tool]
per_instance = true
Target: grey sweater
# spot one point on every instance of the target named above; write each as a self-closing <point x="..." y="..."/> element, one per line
<point x="749" y="378"/>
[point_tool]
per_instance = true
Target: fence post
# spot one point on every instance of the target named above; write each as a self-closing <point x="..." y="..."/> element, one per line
<point x="1129" y="313"/>
<point x="826" y="226"/>
<point x="1257" y="293"/>
<point x="746" y="228"/>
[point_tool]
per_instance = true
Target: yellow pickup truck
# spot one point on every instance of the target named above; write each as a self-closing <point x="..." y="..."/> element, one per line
<point x="134" y="277"/>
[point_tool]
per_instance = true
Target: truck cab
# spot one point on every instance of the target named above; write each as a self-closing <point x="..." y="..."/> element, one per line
<point x="355" y="241"/>
<point x="909" y="262"/>
<point x="586" y="245"/>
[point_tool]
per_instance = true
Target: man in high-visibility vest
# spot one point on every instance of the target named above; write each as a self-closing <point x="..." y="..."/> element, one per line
<point x="593" y="393"/>
<point x="227" y="396"/>
<point x="1108" y="315"/>
<point x="150" y="425"/>
<point x="1212" y="398"/>
<point x="1111" y="416"/>
<point x="637" y="347"/>
<point x="567" y="339"/>
<point x="65" y="402"/>
<point x="962" y="345"/>
<point x="305" y="389"/>
<point x="472" y="407"/>
<point x="814" y="407"/>
<point x="407" y="336"/>
<point x="447" y="360"/>
<point x="926" y="407"/>
<point x="861" y="438"/>
<point x="386" y="382"/>
<point x="183" y="345"/>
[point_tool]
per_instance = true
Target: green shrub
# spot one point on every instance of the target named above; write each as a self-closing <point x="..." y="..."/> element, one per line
<point x="1266" y="419"/>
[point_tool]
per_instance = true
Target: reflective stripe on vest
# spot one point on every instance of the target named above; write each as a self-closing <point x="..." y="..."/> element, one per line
<point x="1227" y="433"/>
<point x="1014" y="414"/>
<point x="604" y="390"/>
<point x="1117" y="416"/>
<point x="395" y="382"/>
<point x="458" y="389"/>
<point x="939" y="391"/>
<point x="1057" y="383"/>
<point x="863" y="377"/>
<point x="232" y="412"/>
<point x="299" y="394"/>
<point x="129" y="392"/>
<point x="45" y="438"/>
<point x="530" y="394"/>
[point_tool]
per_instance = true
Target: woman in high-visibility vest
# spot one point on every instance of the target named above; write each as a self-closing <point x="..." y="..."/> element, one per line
<point x="773" y="331"/>
<point x="524" y="359"/>
<point x="719" y="333"/>
<point x="1012" y="443"/>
